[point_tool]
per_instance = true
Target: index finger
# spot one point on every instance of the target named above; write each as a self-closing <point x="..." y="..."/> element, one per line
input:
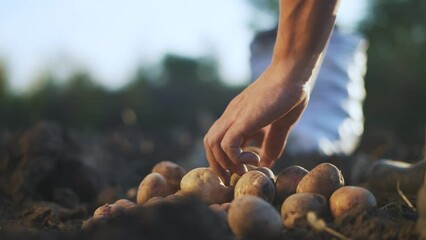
<point x="232" y="144"/>
<point x="214" y="164"/>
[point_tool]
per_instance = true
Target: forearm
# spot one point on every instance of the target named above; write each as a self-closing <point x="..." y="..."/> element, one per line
<point x="303" y="30"/>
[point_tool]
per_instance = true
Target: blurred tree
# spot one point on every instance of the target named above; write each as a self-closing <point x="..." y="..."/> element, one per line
<point x="3" y="98"/>
<point x="3" y="82"/>
<point x="137" y="96"/>
<point x="180" y="70"/>
<point x="78" y="103"/>
<point x="13" y="110"/>
<point x="194" y="71"/>
<point x="396" y="76"/>
<point x="43" y="100"/>
<point x="191" y="86"/>
<point x="83" y="103"/>
<point x="183" y="90"/>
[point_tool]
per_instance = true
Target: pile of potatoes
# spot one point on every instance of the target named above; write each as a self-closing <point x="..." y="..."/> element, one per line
<point x="256" y="205"/>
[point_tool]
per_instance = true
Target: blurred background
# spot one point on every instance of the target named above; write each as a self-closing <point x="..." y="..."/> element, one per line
<point x="165" y="70"/>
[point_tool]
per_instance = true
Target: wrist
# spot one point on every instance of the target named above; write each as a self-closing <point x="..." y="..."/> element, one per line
<point x="295" y="71"/>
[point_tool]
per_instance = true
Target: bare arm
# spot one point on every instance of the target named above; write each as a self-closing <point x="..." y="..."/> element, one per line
<point x="268" y="108"/>
<point x="303" y="31"/>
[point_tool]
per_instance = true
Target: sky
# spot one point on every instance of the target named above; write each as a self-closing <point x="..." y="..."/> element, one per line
<point x="111" y="38"/>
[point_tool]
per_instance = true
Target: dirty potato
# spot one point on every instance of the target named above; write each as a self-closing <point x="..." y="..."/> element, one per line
<point x="104" y="212"/>
<point x="153" y="185"/>
<point x="234" y="179"/>
<point x="296" y="206"/>
<point x="287" y="181"/>
<point x="154" y="201"/>
<point x="349" y="198"/>
<point x="323" y="179"/>
<point x="257" y="184"/>
<point x="220" y="212"/>
<point x="172" y="172"/>
<point x="125" y="203"/>
<point x="107" y="210"/>
<point x="92" y="221"/>
<point x="251" y="217"/>
<point x="268" y="172"/>
<point x="205" y="184"/>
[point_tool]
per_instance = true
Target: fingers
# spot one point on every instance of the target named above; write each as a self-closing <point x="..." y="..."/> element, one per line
<point x="255" y="140"/>
<point x="274" y="144"/>
<point x="224" y="145"/>
<point x="224" y="152"/>
<point x="276" y="136"/>
<point x="217" y="158"/>
<point x="225" y="162"/>
<point x="232" y="143"/>
<point x="216" y="167"/>
<point x="245" y="118"/>
<point x="254" y="143"/>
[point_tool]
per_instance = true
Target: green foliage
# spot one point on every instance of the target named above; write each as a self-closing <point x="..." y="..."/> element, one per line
<point x="179" y="70"/>
<point x="3" y="82"/>
<point x="396" y="76"/>
<point x="189" y="89"/>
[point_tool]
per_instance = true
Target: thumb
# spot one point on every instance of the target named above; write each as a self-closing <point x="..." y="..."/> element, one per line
<point x="273" y="146"/>
<point x="276" y="136"/>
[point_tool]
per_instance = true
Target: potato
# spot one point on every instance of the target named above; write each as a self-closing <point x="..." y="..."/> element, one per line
<point x="180" y="193"/>
<point x="255" y="183"/>
<point x="253" y="218"/>
<point x="89" y="223"/>
<point x="153" y="185"/>
<point x="205" y="184"/>
<point x="323" y="179"/>
<point x="104" y="212"/>
<point x="124" y="203"/>
<point x="108" y="210"/>
<point x="222" y="215"/>
<point x="225" y="206"/>
<point x="296" y="206"/>
<point x="153" y="201"/>
<point x="172" y="172"/>
<point x="219" y="211"/>
<point x="234" y="179"/>
<point x="172" y="198"/>
<point x="287" y="181"/>
<point x="216" y="207"/>
<point x="268" y="172"/>
<point x="348" y="198"/>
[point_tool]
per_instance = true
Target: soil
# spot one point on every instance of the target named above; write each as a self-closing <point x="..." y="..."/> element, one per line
<point x="52" y="179"/>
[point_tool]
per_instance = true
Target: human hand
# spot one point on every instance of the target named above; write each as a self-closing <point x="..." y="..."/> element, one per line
<point x="266" y="110"/>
